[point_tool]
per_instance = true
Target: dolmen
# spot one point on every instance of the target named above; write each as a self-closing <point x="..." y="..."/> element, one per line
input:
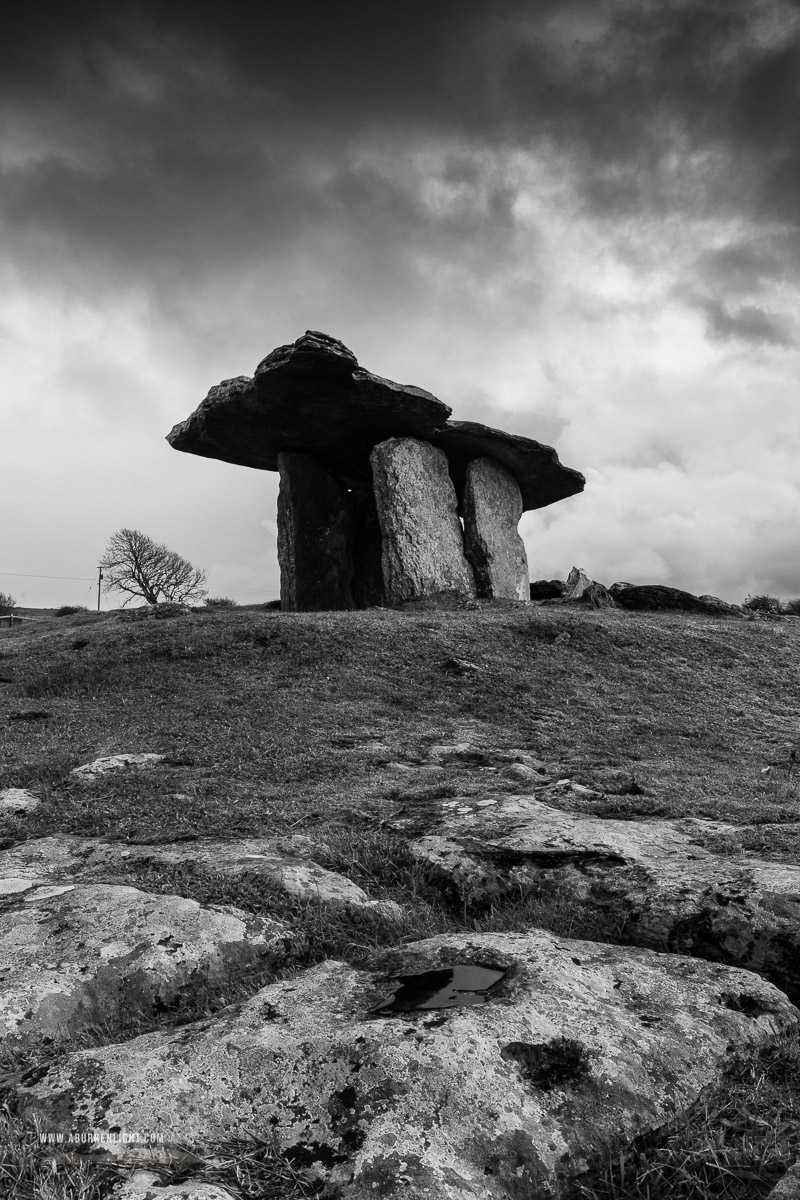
<point x="383" y="499"/>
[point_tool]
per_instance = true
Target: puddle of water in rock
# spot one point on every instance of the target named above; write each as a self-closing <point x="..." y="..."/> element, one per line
<point x="451" y="987"/>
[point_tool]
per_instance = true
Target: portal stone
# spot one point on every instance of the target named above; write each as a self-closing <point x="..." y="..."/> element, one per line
<point x="367" y="586"/>
<point x="423" y="544"/>
<point x="492" y="509"/>
<point x="315" y="536"/>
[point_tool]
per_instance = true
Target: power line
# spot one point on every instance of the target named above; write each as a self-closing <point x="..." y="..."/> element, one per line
<point x="22" y="575"/>
<point x="87" y="578"/>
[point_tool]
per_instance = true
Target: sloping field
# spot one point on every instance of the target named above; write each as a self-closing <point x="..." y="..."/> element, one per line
<point x="344" y="729"/>
<point x="272" y="721"/>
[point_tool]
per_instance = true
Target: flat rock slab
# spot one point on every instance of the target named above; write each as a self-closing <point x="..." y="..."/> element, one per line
<point x="72" y="955"/>
<point x="89" y="772"/>
<point x="541" y="477"/>
<point x="579" y="1048"/>
<point x="650" y="882"/>
<point x="310" y="396"/>
<point x="66" y="858"/>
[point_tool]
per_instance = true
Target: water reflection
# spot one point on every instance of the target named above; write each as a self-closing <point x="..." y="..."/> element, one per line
<point x="451" y="987"/>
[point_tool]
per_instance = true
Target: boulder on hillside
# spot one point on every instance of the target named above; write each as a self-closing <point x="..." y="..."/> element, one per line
<point x="650" y="883"/>
<point x="465" y="1067"/>
<point x="310" y="396"/>
<point x="580" y="589"/>
<point x="654" y="597"/>
<point x="577" y="584"/>
<point x="546" y="589"/>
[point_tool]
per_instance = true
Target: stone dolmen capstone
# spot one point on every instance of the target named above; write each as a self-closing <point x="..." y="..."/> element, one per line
<point x="347" y="519"/>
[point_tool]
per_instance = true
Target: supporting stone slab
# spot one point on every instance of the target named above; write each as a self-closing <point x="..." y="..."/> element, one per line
<point x="367" y="586"/>
<point x="423" y="543"/>
<point x="492" y="509"/>
<point x="315" y="536"/>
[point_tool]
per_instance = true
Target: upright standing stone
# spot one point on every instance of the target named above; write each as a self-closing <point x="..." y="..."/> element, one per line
<point x="367" y="586"/>
<point x="423" y="544"/>
<point x="492" y="509"/>
<point x="315" y="536"/>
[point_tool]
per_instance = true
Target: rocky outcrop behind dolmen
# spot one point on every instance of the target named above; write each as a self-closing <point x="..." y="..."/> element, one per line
<point x="369" y="469"/>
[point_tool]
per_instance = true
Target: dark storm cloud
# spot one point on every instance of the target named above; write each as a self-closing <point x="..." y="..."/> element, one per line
<point x="172" y="137"/>
<point x="748" y="324"/>
<point x="747" y="266"/>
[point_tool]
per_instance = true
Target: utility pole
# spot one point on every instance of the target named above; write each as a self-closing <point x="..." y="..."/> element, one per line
<point x="99" y="581"/>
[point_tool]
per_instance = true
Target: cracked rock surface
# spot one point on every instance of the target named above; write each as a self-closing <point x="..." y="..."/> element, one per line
<point x="278" y="861"/>
<point x="651" y="883"/>
<point x="72" y="955"/>
<point x="580" y="1046"/>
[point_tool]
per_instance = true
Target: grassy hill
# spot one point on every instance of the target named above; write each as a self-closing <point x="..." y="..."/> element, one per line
<point x="331" y="724"/>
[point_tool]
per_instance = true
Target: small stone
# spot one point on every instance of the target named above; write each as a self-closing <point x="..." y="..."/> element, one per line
<point x="459" y="666"/>
<point x="17" y="800"/>
<point x="459" y="749"/>
<point x="577" y="583"/>
<point x="522" y="774"/>
<point x="146" y="1185"/>
<point x="114" y="762"/>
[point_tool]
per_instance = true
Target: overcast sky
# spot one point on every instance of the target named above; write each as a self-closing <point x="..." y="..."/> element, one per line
<point x="576" y="221"/>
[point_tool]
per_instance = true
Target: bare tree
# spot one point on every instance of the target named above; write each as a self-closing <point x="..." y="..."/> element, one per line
<point x="133" y="563"/>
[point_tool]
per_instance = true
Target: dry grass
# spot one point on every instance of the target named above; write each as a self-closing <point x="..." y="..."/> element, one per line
<point x="735" y="1147"/>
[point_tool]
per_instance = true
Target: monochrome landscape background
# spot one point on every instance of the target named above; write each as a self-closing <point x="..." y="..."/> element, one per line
<point x="576" y="221"/>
